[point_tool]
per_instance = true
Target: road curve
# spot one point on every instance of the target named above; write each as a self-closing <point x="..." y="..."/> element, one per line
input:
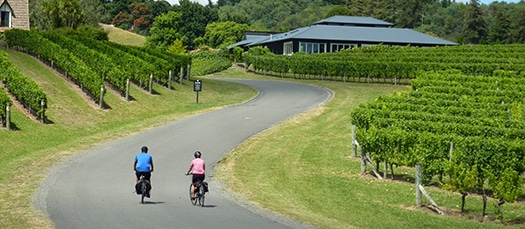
<point x="94" y="189"/>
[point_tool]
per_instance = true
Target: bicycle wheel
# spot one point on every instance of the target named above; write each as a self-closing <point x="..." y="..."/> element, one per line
<point x="143" y="188"/>
<point x="193" y="201"/>
<point x="201" y="196"/>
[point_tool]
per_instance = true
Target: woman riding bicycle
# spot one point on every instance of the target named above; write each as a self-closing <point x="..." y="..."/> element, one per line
<point x="199" y="168"/>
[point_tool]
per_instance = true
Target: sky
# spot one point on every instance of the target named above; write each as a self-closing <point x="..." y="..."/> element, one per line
<point x="205" y="2"/>
<point x="487" y="2"/>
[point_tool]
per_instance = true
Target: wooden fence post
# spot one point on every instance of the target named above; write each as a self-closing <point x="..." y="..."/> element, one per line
<point x="127" y="89"/>
<point x="150" y="88"/>
<point x="43" y="109"/>
<point x="363" y="161"/>
<point x="188" y="72"/>
<point x="8" y="116"/>
<point x="101" y="102"/>
<point x="354" y="146"/>
<point x="170" y="79"/>
<point x="418" y="183"/>
<point x="181" y="75"/>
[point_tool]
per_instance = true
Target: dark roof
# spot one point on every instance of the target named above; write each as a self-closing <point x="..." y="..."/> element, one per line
<point x="7" y="4"/>
<point x="356" y="34"/>
<point x="347" y="29"/>
<point x="353" y="20"/>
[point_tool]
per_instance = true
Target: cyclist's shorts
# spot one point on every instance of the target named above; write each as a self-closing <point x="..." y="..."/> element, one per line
<point x="198" y="178"/>
<point x="147" y="175"/>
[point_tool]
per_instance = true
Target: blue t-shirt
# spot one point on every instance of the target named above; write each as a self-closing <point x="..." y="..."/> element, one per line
<point x="144" y="161"/>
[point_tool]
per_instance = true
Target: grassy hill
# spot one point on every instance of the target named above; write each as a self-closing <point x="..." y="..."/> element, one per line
<point x="122" y="36"/>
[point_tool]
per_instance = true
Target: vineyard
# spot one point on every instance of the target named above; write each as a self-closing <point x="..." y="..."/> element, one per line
<point x="463" y="120"/>
<point x="89" y="63"/>
<point x="388" y="64"/>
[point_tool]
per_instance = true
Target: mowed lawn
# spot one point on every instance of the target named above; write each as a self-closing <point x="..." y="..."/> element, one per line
<point x="304" y="168"/>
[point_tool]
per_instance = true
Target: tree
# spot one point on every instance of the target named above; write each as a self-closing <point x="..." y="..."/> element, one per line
<point x="165" y="31"/>
<point x="193" y="20"/>
<point x="500" y="29"/>
<point x="340" y="10"/>
<point x="475" y="27"/>
<point x="518" y="25"/>
<point x="123" y="20"/>
<point x="51" y="14"/>
<point x="224" y="33"/>
<point x="142" y="18"/>
<point x="177" y="47"/>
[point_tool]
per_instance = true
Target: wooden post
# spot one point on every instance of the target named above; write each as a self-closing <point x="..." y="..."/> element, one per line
<point x="418" y="183"/>
<point x="354" y="145"/>
<point x="432" y="202"/>
<point x="101" y="102"/>
<point x="188" y="72"/>
<point x="150" y="89"/>
<point x="43" y="109"/>
<point x="385" y="169"/>
<point x="181" y="75"/>
<point x="169" y="80"/>
<point x="363" y="161"/>
<point x="8" y="116"/>
<point x="127" y="89"/>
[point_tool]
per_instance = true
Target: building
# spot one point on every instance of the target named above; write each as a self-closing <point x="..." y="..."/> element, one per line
<point x="339" y="32"/>
<point x="14" y="14"/>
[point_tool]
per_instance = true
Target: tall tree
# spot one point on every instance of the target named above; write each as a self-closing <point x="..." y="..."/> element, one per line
<point x="194" y="18"/>
<point x="475" y="27"/>
<point x="51" y="14"/>
<point x="165" y="31"/>
<point x="142" y="18"/>
<point x="518" y="24"/>
<point x="500" y="29"/>
<point x="220" y="34"/>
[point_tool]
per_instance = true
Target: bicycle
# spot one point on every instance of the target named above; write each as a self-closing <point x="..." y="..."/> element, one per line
<point x="143" y="183"/>
<point x="199" y="192"/>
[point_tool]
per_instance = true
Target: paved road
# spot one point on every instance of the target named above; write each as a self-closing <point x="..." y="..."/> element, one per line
<point x="95" y="189"/>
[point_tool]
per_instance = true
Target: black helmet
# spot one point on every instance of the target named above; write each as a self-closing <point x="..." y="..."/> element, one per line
<point x="197" y="154"/>
<point x="144" y="149"/>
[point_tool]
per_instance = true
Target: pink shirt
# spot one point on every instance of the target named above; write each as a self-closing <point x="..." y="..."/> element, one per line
<point x="198" y="166"/>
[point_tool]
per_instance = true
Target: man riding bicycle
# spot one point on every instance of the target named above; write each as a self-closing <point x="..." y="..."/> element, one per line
<point x="199" y="168"/>
<point x="143" y="166"/>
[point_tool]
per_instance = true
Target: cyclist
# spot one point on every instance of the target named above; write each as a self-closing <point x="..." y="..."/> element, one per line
<point x="143" y="166"/>
<point x="199" y="168"/>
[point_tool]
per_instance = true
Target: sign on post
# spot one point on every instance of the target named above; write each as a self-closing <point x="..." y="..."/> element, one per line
<point x="197" y="86"/>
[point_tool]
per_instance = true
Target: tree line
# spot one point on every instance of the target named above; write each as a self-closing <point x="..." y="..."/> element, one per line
<point x="189" y="25"/>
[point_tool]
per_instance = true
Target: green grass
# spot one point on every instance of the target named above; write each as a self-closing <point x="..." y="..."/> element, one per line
<point x="304" y="169"/>
<point x="122" y="36"/>
<point x="77" y="124"/>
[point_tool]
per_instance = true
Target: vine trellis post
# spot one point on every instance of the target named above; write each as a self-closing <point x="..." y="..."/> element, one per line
<point x="8" y="116"/>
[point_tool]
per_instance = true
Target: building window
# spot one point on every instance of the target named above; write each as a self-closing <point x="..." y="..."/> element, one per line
<point x="288" y="48"/>
<point x="312" y="47"/>
<point x="336" y="47"/>
<point x="5" y="16"/>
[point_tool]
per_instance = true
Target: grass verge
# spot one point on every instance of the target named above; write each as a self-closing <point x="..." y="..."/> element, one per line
<point x="303" y="168"/>
<point x="31" y="148"/>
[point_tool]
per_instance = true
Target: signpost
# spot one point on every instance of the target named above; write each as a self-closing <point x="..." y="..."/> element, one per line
<point x="197" y="86"/>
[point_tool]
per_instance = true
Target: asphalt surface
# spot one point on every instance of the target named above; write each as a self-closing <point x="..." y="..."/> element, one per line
<point x="95" y="189"/>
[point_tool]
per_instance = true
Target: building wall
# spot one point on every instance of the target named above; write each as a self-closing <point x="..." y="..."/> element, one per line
<point x="20" y="19"/>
